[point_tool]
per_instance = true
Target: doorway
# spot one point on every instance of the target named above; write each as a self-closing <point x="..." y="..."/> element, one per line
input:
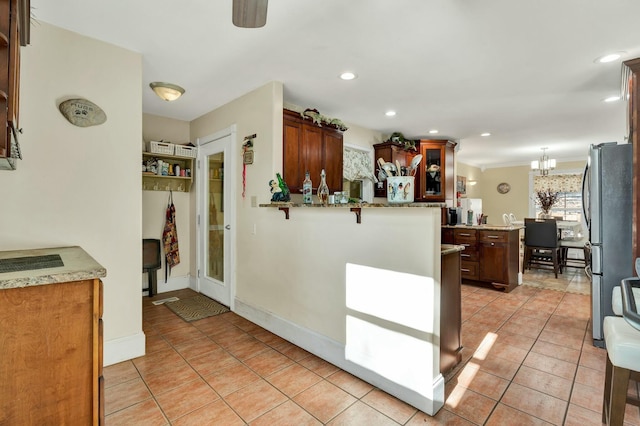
<point x="216" y="216"/>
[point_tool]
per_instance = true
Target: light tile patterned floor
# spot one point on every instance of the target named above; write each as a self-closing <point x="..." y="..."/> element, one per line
<point x="527" y="359"/>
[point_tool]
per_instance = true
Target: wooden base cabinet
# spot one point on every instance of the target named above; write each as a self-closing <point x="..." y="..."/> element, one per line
<point x="450" y="313"/>
<point x="490" y="256"/>
<point x="499" y="256"/>
<point x="51" y="354"/>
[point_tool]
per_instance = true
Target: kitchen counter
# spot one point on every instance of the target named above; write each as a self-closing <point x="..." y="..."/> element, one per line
<point x="355" y="205"/>
<point x="485" y="227"/>
<point x="76" y="265"/>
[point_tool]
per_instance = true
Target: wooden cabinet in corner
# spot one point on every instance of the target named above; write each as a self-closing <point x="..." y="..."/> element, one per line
<point x="436" y="170"/>
<point x="391" y="152"/>
<point x="309" y="147"/>
<point x="14" y="32"/>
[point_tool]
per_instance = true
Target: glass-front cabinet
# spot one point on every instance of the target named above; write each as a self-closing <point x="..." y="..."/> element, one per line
<point x="437" y="179"/>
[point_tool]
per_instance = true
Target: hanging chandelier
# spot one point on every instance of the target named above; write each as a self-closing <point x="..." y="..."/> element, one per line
<point x="544" y="164"/>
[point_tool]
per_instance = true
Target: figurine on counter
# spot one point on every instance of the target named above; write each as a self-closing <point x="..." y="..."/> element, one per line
<point x="279" y="190"/>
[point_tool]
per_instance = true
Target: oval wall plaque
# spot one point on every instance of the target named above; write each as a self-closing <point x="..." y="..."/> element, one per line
<point x="82" y="112"/>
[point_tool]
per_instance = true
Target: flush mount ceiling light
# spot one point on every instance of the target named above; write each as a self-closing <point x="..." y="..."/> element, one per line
<point x="348" y="75"/>
<point x="609" y="57"/>
<point x="390" y="113"/>
<point x="611" y="99"/>
<point x="544" y="164"/>
<point x="166" y="91"/>
<point x="433" y="132"/>
<point x="249" y="13"/>
<point x="485" y="134"/>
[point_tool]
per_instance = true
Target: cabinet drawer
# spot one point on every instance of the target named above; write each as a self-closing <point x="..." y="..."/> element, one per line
<point x="469" y="270"/>
<point x="469" y="254"/>
<point x="493" y="236"/>
<point x="462" y="236"/>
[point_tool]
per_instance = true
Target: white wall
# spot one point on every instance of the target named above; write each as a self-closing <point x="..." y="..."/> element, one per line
<point x="81" y="186"/>
<point x="517" y="199"/>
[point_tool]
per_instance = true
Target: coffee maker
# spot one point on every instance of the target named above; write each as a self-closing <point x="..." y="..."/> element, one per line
<point x="453" y="216"/>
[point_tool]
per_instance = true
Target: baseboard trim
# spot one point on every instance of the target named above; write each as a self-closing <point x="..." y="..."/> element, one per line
<point x="334" y="352"/>
<point x="124" y="348"/>
<point x="173" y="283"/>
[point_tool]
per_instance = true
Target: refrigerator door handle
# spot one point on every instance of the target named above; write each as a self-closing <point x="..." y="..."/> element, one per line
<point x="585" y="195"/>
<point x="596" y="259"/>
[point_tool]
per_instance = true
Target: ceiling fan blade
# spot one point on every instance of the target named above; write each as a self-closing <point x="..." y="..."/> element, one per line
<point x="250" y="13"/>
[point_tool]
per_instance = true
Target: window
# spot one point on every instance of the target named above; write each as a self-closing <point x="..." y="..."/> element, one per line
<point x="358" y="172"/>
<point x="569" y="206"/>
<point x="568" y="185"/>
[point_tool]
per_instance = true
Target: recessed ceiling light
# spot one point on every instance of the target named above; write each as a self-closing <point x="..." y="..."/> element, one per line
<point x="485" y="134"/>
<point x="348" y="75"/>
<point x="612" y="99"/>
<point x="433" y="132"/>
<point x="390" y="113"/>
<point x="609" y="57"/>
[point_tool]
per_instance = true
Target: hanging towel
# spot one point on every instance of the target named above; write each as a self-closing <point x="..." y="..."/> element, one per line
<point x="170" y="238"/>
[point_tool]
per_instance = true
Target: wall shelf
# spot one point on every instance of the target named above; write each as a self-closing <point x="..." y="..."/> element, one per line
<point x="155" y="182"/>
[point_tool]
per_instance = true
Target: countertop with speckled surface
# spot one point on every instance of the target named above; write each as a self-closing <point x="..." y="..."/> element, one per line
<point x="355" y="205"/>
<point x="78" y="265"/>
<point x="485" y="227"/>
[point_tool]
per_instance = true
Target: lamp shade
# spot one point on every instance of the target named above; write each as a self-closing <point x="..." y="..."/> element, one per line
<point x="166" y="91"/>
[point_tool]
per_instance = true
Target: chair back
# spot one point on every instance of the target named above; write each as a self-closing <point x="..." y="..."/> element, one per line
<point x="151" y="254"/>
<point x="540" y="232"/>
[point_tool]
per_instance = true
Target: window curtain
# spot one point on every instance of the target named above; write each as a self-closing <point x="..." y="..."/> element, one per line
<point x="357" y="165"/>
<point x="558" y="183"/>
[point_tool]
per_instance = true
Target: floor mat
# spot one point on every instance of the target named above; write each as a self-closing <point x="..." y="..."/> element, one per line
<point x="195" y="308"/>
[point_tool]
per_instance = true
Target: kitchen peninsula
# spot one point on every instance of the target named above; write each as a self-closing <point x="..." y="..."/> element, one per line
<point x="51" y="337"/>
<point x="366" y="297"/>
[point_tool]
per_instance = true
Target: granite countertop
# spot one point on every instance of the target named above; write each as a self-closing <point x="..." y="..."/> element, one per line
<point x="355" y="205"/>
<point x="77" y="265"/>
<point x="449" y="249"/>
<point x="485" y="227"/>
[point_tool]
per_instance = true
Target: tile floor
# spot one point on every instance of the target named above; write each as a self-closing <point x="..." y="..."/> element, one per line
<point x="527" y="359"/>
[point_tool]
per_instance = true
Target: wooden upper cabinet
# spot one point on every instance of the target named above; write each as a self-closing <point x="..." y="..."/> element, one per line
<point x="634" y="139"/>
<point x="436" y="170"/>
<point x="391" y="152"/>
<point x="14" y="32"/>
<point x="309" y="147"/>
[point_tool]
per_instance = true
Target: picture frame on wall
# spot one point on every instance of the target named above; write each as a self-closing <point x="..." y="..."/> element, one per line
<point x="461" y="185"/>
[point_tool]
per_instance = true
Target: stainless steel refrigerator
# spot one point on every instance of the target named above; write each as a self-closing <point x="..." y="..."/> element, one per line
<point x="607" y="203"/>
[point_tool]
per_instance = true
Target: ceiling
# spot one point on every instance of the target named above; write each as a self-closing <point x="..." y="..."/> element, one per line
<point x="523" y="71"/>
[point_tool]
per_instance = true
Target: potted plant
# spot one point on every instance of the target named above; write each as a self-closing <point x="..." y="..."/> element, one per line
<point x="546" y="200"/>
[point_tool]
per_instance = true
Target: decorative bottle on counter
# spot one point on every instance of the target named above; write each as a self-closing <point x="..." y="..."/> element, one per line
<point x="323" y="189"/>
<point x="307" y="189"/>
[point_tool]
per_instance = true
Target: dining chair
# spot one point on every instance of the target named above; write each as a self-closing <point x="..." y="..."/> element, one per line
<point x="151" y="262"/>
<point x="541" y="245"/>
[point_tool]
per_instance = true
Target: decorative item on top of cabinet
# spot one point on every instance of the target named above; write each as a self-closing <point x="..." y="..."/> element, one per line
<point x="156" y="177"/>
<point x="308" y="147"/>
<point x="438" y="181"/>
<point x="391" y="151"/>
<point x="14" y="32"/>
